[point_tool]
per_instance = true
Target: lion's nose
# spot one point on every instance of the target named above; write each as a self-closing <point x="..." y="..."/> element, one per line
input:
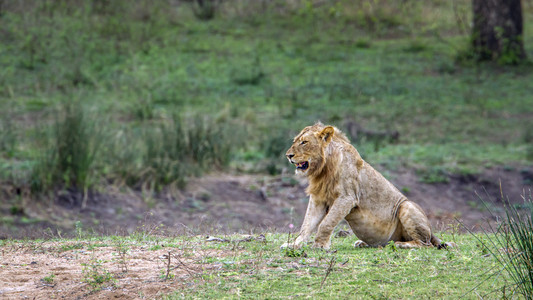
<point x="289" y="156"/>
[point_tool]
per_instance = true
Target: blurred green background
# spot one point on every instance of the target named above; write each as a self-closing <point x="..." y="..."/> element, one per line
<point x="150" y="93"/>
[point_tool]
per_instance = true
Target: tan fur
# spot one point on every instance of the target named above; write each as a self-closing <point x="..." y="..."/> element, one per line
<point x="343" y="186"/>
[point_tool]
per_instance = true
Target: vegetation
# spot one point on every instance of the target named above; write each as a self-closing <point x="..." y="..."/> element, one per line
<point x="101" y="92"/>
<point x="49" y="279"/>
<point x="95" y="275"/>
<point x="511" y="244"/>
<point x="255" y="267"/>
<point x="147" y="94"/>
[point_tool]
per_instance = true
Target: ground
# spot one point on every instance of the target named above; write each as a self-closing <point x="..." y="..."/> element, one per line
<point x="214" y="205"/>
<point x="225" y="204"/>
<point x="23" y="270"/>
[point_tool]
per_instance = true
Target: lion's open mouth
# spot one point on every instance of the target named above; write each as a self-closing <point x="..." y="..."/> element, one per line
<point x="303" y="165"/>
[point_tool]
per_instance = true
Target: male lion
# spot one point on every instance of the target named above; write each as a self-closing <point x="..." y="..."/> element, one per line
<point x="343" y="185"/>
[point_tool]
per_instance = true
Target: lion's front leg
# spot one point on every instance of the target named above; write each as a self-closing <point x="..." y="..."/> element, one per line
<point x="338" y="211"/>
<point x="313" y="216"/>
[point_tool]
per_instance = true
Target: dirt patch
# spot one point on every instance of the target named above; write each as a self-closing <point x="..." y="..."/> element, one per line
<point x="76" y="270"/>
<point x="222" y="203"/>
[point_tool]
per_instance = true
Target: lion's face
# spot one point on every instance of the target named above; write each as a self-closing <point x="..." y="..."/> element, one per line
<point x="307" y="150"/>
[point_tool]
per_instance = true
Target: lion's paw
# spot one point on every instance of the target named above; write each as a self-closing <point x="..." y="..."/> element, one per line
<point x="321" y="246"/>
<point x="286" y="245"/>
<point x="290" y="245"/>
<point x="448" y="245"/>
<point x="360" y="244"/>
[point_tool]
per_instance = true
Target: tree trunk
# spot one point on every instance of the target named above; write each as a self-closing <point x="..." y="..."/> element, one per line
<point x="498" y="31"/>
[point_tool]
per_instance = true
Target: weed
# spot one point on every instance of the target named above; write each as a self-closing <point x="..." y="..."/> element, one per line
<point x="49" y="279"/>
<point x="96" y="275"/>
<point x="122" y="253"/>
<point x="79" y="229"/>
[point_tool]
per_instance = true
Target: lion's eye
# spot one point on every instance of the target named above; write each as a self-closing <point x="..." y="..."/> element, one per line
<point x="303" y="143"/>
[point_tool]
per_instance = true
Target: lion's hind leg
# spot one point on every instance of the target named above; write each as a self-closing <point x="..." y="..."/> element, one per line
<point x="416" y="231"/>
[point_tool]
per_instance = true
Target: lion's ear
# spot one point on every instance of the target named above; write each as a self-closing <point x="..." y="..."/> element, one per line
<point x="326" y="134"/>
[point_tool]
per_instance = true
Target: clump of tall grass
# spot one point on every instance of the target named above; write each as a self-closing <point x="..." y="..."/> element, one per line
<point x="178" y="148"/>
<point x="511" y="244"/>
<point x="68" y="151"/>
<point x="159" y="153"/>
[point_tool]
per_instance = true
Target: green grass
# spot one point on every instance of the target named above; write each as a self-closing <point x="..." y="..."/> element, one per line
<point x="260" y="74"/>
<point x="257" y="268"/>
<point x="511" y="244"/>
<point x="263" y="271"/>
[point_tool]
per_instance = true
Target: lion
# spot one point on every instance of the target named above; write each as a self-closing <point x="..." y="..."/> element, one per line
<point x="343" y="186"/>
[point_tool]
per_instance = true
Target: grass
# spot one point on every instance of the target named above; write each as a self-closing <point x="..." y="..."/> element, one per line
<point x="370" y="273"/>
<point x="69" y="151"/>
<point x="511" y="244"/>
<point x="247" y="81"/>
<point x="48" y="279"/>
<point x="237" y="267"/>
<point x="95" y="275"/>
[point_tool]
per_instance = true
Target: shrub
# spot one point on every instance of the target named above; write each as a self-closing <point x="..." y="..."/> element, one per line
<point x="96" y="275"/>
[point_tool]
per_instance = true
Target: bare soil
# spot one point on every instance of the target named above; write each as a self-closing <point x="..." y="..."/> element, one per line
<point x="224" y="203"/>
<point x="26" y="270"/>
<point x="217" y="204"/>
